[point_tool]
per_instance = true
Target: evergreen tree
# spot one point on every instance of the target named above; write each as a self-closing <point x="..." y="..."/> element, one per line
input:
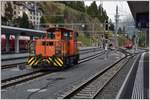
<point x="8" y="12"/>
<point x="100" y="13"/>
<point x="57" y="19"/>
<point x="24" y="22"/>
<point x="16" y="21"/>
<point x="80" y="6"/>
<point x="92" y="10"/>
<point x="4" y="20"/>
<point x="42" y="20"/>
<point x="111" y="26"/>
<point x="104" y="16"/>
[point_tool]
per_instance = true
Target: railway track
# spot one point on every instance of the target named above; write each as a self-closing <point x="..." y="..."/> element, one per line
<point x="11" y="66"/>
<point x="22" y="78"/>
<point x="15" y="65"/>
<point x="92" y="86"/>
<point x="91" y="57"/>
<point x="38" y="73"/>
<point x="32" y="75"/>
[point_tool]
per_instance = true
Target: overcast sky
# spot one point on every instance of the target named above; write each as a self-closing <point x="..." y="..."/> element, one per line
<point x="110" y="7"/>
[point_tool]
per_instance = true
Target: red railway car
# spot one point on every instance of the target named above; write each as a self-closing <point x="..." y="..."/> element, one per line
<point x="23" y="42"/>
<point x="128" y="44"/>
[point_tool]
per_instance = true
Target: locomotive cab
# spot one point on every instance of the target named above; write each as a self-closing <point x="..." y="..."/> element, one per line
<point x="57" y="49"/>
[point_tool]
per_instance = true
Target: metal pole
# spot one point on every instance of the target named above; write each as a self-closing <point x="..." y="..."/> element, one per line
<point x="145" y="32"/>
<point x="93" y="30"/>
<point x="35" y="13"/>
<point x="116" y="29"/>
<point x="37" y="25"/>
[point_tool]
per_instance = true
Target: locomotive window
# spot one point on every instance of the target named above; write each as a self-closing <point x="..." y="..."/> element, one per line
<point x="50" y="43"/>
<point x="51" y="35"/>
<point x="47" y="43"/>
<point x="68" y="35"/>
<point x="44" y="43"/>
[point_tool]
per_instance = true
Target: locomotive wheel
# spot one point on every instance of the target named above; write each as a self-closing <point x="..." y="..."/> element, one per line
<point x="76" y="59"/>
<point x="34" y="67"/>
<point x="66" y="62"/>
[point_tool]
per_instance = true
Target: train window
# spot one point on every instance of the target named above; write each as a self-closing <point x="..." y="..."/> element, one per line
<point x="68" y="35"/>
<point x="49" y="43"/>
<point x="45" y="43"/>
<point x="51" y="35"/>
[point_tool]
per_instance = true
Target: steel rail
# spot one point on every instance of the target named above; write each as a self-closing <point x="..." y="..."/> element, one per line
<point x="84" y="90"/>
<point x="29" y="76"/>
<point x="124" y="85"/>
<point x="22" y="78"/>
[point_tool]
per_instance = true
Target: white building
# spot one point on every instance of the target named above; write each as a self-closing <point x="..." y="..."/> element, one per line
<point x="34" y="14"/>
<point x="3" y="4"/>
<point x="30" y="8"/>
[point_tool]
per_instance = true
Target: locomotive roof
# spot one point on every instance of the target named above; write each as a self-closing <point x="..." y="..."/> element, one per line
<point x="59" y="29"/>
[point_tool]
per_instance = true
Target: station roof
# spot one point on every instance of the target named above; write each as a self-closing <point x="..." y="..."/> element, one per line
<point x="138" y="7"/>
<point x="21" y="31"/>
<point x="140" y="11"/>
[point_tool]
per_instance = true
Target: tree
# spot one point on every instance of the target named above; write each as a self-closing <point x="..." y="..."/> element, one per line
<point x="8" y="12"/>
<point x="4" y="20"/>
<point x="16" y="21"/>
<point x="24" y="22"/>
<point x="78" y="5"/>
<point x="104" y="16"/>
<point x="57" y="19"/>
<point x="100" y="13"/>
<point x="92" y="10"/>
<point x="111" y="27"/>
<point x="42" y="20"/>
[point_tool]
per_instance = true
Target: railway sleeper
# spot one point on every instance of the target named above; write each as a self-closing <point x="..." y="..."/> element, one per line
<point x="90" y="92"/>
